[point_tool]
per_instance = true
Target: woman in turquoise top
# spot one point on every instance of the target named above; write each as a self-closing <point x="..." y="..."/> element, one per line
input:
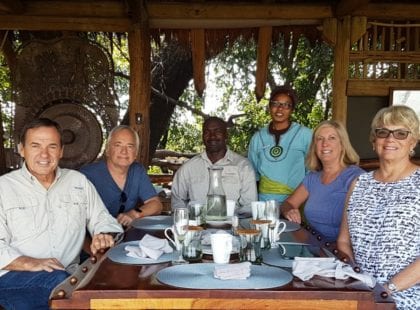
<point x="333" y="164"/>
<point x="278" y="151"/>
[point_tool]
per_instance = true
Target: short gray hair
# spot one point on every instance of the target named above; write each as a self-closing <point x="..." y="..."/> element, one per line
<point x="121" y="128"/>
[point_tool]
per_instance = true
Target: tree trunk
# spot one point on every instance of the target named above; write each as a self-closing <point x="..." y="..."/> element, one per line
<point x="171" y="73"/>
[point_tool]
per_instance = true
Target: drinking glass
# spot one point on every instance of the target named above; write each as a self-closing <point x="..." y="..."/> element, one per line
<point x="272" y="213"/>
<point x="180" y="216"/>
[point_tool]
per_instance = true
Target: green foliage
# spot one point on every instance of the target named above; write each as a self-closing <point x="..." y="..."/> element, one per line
<point x="305" y="66"/>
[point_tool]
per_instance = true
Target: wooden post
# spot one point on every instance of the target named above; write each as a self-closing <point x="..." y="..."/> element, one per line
<point x="341" y="70"/>
<point x="263" y="53"/>
<point x="140" y="66"/>
<point x="198" y="50"/>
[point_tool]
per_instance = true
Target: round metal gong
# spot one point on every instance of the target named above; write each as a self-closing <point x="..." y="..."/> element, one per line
<point x="82" y="133"/>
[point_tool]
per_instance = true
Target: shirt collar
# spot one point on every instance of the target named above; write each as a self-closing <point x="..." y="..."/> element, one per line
<point x="28" y="175"/>
<point x="226" y="158"/>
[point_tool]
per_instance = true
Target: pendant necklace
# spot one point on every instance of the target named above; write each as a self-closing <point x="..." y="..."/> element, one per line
<point x="277" y="150"/>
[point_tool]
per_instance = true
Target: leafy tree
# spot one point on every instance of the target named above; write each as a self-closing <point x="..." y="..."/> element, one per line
<point x="305" y="66"/>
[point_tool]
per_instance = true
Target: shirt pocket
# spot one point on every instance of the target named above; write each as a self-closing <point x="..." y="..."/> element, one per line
<point x="20" y="216"/>
<point x="73" y="208"/>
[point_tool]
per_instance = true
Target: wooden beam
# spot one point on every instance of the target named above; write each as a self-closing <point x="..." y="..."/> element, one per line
<point x="112" y="15"/>
<point x="358" y="28"/>
<point x="198" y="49"/>
<point x="14" y="6"/>
<point x="263" y="53"/>
<point x="347" y="7"/>
<point x="394" y="11"/>
<point x="341" y="70"/>
<point x="140" y="80"/>
<point x="109" y="15"/>
<point x="329" y="30"/>
<point x="377" y="87"/>
<point x="385" y="56"/>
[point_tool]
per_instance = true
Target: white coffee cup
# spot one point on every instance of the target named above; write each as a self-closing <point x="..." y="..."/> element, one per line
<point x="221" y="246"/>
<point x="279" y="229"/>
<point x="174" y="240"/>
<point x="257" y="208"/>
<point x="230" y="207"/>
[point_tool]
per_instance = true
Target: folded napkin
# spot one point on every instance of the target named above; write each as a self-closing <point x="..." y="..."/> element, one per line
<point x="306" y="267"/>
<point x="149" y="247"/>
<point x="232" y="271"/>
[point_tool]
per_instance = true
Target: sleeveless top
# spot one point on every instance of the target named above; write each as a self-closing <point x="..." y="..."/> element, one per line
<point x="384" y="226"/>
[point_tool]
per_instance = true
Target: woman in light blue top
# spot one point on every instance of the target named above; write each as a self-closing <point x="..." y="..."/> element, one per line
<point x="332" y="161"/>
<point x="278" y="151"/>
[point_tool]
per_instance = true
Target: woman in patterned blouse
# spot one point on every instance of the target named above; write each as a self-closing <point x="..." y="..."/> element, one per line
<point x="381" y="229"/>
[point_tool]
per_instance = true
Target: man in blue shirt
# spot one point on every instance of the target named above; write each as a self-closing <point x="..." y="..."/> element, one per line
<point x="122" y="183"/>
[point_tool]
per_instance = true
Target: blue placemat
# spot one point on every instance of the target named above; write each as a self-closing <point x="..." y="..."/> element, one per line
<point x="118" y="255"/>
<point x="284" y="257"/>
<point x="158" y="222"/>
<point x="200" y="276"/>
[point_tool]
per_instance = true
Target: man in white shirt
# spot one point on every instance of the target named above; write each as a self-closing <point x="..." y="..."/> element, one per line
<point x="191" y="181"/>
<point x="44" y="213"/>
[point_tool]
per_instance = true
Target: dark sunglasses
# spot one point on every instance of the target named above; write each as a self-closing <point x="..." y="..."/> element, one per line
<point x="399" y="134"/>
<point x="278" y="104"/>
<point x="123" y="200"/>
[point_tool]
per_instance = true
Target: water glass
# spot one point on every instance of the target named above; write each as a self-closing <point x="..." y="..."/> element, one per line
<point x="192" y="250"/>
<point x="180" y="217"/>
<point x="272" y="213"/>
<point x="250" y="246"/>
<point x="197" y="213"/>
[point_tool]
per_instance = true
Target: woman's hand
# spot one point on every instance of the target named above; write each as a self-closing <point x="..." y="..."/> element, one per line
<point x="291" y="214"/>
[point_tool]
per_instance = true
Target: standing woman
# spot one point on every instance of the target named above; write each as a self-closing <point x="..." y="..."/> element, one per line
<point x="333" y="164"/>
<point x="278" y="151"/>
<point x="381" y="228"/>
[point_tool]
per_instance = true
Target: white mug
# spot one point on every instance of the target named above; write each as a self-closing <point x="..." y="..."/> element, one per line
<point x="278" y="231"/>
<point x="173" y="240"/>
<point x="221" y="246"/>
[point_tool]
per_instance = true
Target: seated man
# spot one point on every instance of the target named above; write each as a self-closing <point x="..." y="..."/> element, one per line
<point x="121" y="182"/>
<point x="191" y="181"/>
<point x="44" y="213"/>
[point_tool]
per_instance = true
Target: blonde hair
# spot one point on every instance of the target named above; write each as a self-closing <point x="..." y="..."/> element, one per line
<point x="397" y="115"/>
<point x="348" y="155"/>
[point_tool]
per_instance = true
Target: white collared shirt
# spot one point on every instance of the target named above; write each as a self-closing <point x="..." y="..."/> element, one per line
<point x="49" y="223"/>
<point x="191" y="181"/>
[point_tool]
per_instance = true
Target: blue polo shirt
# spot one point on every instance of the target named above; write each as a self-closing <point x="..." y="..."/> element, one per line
<point x="137" y="188"/>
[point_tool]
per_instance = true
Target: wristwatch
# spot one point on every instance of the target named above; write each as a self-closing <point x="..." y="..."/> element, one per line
<point x="391" y="287"/>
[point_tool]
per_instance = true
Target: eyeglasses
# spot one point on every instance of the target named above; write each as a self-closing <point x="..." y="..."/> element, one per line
<point x="278" y="104"/>
<point x="123" y="200"/>
<point x="399" y="134"/>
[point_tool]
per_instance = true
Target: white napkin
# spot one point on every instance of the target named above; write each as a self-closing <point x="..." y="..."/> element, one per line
<point x="306" y="267"/>
<point x="149" y="247"/>
<point x="239" y="271"/>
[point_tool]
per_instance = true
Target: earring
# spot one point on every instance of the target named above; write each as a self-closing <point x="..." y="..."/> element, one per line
<point x="412" y="153"/>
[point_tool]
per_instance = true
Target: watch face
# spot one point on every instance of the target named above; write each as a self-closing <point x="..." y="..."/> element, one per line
<point x="392" y="287"/>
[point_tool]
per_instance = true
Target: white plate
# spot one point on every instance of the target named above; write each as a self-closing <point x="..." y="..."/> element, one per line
<point x="158" y="222"/>
<point x="219" y="223"/>
<point x="200" y="276"/>
<point x="118" y="255"/>
<point x="290" y="226"/>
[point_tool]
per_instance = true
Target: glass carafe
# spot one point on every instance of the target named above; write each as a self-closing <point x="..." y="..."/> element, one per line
<point x="216" y="198"/>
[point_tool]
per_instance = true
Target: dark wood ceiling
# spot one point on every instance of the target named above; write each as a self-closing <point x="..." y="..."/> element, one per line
<point x="117" y="15"/>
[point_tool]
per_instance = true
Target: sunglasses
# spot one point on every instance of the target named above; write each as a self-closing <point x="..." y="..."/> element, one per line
<point x="278" y="104"/>
<point x="399" y="134"/>
<point x="123" y="200"/>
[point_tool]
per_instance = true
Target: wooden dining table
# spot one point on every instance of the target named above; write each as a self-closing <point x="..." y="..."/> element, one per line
<point x="100" y="283"/>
